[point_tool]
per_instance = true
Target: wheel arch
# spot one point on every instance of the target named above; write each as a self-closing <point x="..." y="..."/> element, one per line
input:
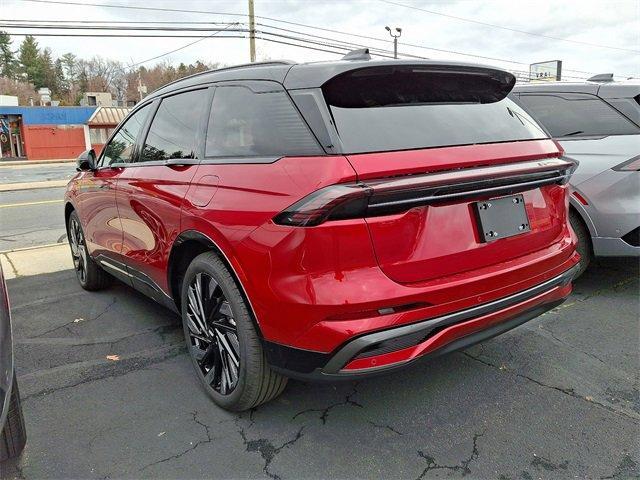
<point x="579" y="209"/>
<point x="187" y="246"/>
<point x="68" y="208"/>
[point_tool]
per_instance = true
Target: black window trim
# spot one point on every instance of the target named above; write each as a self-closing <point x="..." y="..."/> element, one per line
<point x="139" y="107"/>
<point x="199" y="144"/>
<point x="255" y="159"/>
<point x="202" y="158"/>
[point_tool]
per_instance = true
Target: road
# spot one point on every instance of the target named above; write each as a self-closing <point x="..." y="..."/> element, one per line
<point x="109" y="391"/>
<point x="554" y="399"/>
<point x="31" y="217"/>
<point x="36" y="173"/>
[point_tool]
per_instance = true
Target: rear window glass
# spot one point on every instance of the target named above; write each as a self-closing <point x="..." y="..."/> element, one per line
<point x="244" y="123"/>
<point x="401" y="109"/>
<point x="577" y="115"/>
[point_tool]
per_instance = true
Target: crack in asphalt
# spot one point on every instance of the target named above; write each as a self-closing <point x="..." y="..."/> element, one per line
<point x="627" y="468"/>
<point x="572" y="347"/>
<point x="162" y="330"/>
<point x="594" y="294"/>
<point x="324" y="412"/>
<point x="567" y="391"/>
<point x="114" y="300"/>
<point x="388" y="427"/>
<point x="13" y="267"/>
<point x="117" y="369"/>
<point x="267" y="450"/>
<point x="209" y="439"/>
<point x="463" y="466"/>
<point x="539" y="462"/>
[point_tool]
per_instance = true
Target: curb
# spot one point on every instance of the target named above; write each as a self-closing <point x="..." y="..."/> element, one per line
<point x="12" y="187"/>
<point x="35" y="247"/>
<point x="17" y="163"/>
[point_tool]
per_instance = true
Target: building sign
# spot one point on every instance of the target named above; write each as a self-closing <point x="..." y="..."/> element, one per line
<point x="545" y="71"/>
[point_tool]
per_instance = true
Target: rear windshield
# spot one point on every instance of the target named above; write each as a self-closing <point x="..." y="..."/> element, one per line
<point x="404" y="108"/>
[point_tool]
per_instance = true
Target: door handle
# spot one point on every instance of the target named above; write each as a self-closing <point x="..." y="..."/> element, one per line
<point x="182" y="162"/>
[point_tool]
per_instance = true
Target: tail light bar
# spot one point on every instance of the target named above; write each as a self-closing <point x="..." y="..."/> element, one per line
<point x="398" y="194"/>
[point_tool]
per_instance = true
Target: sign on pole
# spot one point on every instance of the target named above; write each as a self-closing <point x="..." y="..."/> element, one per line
<point x="550" y="71"/>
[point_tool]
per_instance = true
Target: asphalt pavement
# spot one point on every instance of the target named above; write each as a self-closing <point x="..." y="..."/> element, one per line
<point x="109" y="393"/>
<point x="31" y="217"/>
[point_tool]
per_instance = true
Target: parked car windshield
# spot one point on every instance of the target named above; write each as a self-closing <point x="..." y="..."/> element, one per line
<point x="409" y="109"/>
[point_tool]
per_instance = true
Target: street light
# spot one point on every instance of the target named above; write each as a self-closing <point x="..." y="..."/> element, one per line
<point x="395" y="39"/>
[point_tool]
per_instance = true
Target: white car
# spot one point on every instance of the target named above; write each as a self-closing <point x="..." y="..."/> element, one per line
<point x="597" y="123"/>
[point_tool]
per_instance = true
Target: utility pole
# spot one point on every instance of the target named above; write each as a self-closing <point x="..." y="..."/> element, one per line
<point x="395" y="39"/>
<point x="252" y="33"/>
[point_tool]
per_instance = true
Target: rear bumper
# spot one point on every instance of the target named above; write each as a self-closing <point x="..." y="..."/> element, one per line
<point x="613" y="247"/>
<point x="388" y="350"/>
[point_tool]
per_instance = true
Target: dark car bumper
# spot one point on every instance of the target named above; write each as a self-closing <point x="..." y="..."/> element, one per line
<point x="388" y="350"/>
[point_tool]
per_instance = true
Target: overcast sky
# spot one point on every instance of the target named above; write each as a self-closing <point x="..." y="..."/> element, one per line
<point x="609" y="23"/>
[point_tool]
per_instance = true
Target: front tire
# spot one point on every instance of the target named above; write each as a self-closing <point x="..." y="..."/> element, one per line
<point x="223" y="343"/>
<point x="90" y="275"/>
<point x="584" y="246"/>
<point x="13" y="436"/>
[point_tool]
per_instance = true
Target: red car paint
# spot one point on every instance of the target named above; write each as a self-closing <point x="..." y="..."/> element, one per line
<point x="315" y="288"/>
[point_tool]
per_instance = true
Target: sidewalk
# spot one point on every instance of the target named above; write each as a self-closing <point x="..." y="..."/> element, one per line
<point x="25" y="262"/>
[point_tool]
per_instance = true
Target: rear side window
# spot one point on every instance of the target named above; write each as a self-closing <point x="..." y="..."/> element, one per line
<point x="400" y="108"/>
<point x="174" y="129"/>
<point x="244" y="123"/>
<point x="577" y="115"/>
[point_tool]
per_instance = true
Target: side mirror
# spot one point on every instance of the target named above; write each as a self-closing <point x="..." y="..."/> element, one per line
<point x="86" y="160"/>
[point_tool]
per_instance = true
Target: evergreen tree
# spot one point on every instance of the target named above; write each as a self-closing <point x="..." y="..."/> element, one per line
<point x="48" y="69"/>
<point x="30" y="64"/>
<point x="70" y="66"/>
<point x="7" y="56"/>
<point x="62" y="85"/>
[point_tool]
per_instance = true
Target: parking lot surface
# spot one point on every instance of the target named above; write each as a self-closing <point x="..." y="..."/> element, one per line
<point x="109" y="393"/>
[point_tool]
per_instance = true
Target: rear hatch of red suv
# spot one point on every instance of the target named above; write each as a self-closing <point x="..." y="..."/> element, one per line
<point x="452" y="176"/>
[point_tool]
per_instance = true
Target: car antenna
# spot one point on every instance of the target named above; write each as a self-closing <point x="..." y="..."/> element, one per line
<point x="360" y="54"/>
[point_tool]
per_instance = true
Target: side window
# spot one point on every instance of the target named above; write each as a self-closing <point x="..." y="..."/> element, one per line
<point x="120" y="148"/>
<point x="174" y="129"/>
<point x="244" y="123"/>
<point x="577" y="115"/>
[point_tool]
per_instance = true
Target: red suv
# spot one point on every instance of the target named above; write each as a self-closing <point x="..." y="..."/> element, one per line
<point x="328" y="220"/>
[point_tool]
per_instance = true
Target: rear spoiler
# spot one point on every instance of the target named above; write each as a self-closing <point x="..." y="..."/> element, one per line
<point x="316" y="75"/>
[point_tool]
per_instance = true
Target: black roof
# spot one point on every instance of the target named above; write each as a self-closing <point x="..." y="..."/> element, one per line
<point x="302" y="75"/>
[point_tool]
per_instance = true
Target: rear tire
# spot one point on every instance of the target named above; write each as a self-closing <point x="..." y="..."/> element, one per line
<point x="89" y="273"/>
<point x="230" y="335"/>
<point x="584" y="247"/>
<point x="14" y="434"/>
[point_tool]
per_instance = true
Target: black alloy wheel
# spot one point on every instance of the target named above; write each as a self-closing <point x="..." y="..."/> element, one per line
<point x="213" y="333"/>
<point x="89" y="273"/>
<point x="78" y="248"/>
<point x="223" y="338"/>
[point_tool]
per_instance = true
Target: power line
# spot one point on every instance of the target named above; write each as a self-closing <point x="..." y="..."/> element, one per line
<point x="176" y="22"/>
<point x="367" y="37"/>
<point x="462" y="19"/>
<point x="174" y="10"/>
<point x="180" y="48"/>
<point x="341" y="45"/>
